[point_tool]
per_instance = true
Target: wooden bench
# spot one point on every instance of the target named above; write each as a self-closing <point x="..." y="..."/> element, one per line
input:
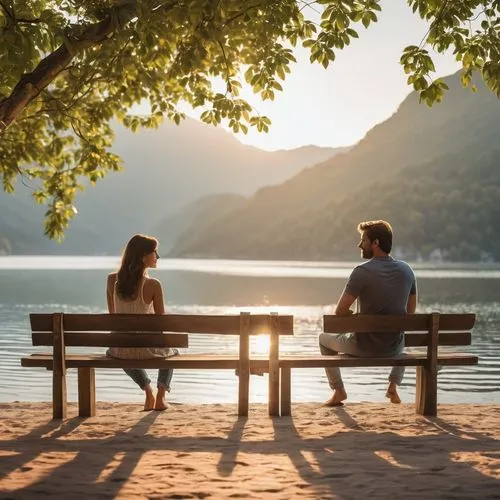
<point x="60" y="330"/>
<point x="422" y="330"/>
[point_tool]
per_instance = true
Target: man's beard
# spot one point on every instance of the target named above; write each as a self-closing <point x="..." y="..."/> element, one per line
<point x="367" y="254"/>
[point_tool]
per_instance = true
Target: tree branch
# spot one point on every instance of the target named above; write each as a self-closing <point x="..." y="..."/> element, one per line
<point x="31" y="84"/>
<point x="6" y="9"/>
<point x="28" y="21"/>
<point x="243" y="12"/>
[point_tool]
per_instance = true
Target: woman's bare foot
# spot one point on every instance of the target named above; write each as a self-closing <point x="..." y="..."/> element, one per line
<point x="149" y="402"/>
<point x="392" y="393"/>
<point x="160" y="403"/>
<point x="336" y="400"/>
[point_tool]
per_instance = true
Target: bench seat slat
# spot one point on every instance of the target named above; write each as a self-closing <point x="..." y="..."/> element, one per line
<point x="342" y="360"/>
<point x="380" y="323"/>
<point x="224" y="362"/>
<point x="106" y="339"/>
<point x="419" y="339"/>
<point x="183" y="323"/>
<point x="183" y="361"/>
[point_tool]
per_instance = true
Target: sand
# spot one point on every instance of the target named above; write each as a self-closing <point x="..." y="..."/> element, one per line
<point x="205" y="451"/>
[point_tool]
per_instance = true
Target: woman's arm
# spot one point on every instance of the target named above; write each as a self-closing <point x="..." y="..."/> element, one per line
<point x="158" y="301"/>
<point x="110" y="288"/>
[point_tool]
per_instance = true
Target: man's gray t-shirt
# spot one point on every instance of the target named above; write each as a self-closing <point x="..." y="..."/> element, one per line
<point x="382" y="285"/>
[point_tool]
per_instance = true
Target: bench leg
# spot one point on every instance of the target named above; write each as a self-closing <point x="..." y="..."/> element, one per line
<point x="426" y="392"/>
<point x="286" y="391"/>
<point x="86" y="392"/>
<point x="59" y="397"/>
<point x="274" y="391"/>
<point x="243" y="389"/>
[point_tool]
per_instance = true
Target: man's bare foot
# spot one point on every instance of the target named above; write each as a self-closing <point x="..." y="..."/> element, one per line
<point x="336" y="400"/>
<point x="149" y="402"/>
<point x="392" y="394"/>
<point x="160" y="403"/>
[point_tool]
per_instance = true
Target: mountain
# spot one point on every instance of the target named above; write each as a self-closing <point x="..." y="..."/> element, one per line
<point x="15" y="226"/>
<point x="194" y="217"/>
<point x="390" y="173"/>
<point x="164" y="170"/>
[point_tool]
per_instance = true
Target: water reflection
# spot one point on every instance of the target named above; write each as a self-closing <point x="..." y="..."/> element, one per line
<point x="87" y="287"/>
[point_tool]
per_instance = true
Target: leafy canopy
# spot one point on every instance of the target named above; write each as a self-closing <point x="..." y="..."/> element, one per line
<point x="69" y="67"/>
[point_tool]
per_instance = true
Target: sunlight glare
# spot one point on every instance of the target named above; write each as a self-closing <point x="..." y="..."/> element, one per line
<point x="482" y="462"/>
<point x="111" y="467"/>
<point x="389" y="457"/>
<point x="260" y="344"/>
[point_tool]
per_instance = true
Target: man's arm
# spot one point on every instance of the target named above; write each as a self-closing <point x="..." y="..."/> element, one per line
<point x="343" y="305"/>
<point x="411" y="305"/>
<point x="351" y="291"/>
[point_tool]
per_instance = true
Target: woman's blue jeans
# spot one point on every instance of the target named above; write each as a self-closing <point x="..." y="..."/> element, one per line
<point x="140" y="377"/>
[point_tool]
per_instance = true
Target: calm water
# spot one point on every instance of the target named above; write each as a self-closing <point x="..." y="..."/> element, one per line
<point x="304" y="289"/>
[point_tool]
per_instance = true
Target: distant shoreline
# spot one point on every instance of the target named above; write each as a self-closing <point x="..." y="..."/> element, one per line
<point x="165" y="263"/>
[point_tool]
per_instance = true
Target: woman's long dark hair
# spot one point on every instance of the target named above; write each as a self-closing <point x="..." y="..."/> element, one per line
<point x="132" y="267"/>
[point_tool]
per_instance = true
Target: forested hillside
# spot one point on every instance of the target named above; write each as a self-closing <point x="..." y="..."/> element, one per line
<point x="433" y="172"/>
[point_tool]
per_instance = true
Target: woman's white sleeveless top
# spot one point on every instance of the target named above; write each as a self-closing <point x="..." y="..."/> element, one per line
<point x="136" y="306"/>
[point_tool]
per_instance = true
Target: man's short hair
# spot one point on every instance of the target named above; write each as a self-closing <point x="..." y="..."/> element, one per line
<point x="378" y="230"/>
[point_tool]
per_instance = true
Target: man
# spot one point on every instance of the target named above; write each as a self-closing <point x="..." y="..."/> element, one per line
<point x="383" y="285"/>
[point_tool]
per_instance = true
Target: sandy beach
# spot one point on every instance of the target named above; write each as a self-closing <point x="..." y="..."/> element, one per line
<point x="205" y="451"/>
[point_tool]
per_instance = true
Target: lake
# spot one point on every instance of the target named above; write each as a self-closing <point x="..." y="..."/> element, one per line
<point x="305" y="289"/>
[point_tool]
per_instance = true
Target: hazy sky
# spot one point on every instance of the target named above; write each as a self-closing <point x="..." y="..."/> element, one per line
<point x="364" y="86"/>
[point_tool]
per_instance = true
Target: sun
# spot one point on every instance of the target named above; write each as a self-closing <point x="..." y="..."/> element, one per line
<point x="260" y="344"/>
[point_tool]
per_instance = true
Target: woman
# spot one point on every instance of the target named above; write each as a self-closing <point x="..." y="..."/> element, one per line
<point x="131" y="290"/>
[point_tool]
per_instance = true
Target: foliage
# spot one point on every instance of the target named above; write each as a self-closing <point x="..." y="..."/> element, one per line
<point x="69" y="67"/>
<point x="449" y="205"/>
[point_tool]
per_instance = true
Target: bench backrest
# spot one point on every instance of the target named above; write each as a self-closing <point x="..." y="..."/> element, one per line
<point x="449" y="329"/>
<point x="120" y="330"/>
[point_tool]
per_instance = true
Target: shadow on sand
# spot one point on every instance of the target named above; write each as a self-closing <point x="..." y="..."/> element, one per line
<point x="376" y="464"/>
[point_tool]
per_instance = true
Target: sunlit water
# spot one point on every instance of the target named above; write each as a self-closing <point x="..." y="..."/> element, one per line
<point x="304" y="289"/>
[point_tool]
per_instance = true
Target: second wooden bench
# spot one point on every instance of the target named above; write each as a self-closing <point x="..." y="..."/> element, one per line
<point x="422" y="330"/>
